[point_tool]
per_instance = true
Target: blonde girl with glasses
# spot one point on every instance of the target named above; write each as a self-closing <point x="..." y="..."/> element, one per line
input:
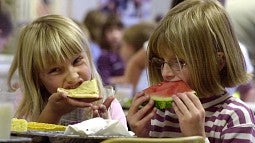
<point x="195" y="43"/>
<point x="54" y="52"/>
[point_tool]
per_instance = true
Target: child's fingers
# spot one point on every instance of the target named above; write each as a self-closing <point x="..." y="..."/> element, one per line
<point x="88" y="100"/>
<point x="100" y="111"/>
<point x="138" y="100"/>
<point x="180" y="106"/>
<point x="176" y="110"/>
<point x="102" y="108"/>
<point x="195" y="100"/>
<point x="94" y="107"/>
<point x="108" y="101"/>
<point x="95" y="113"/>
<point x="80" y="104"/>
<point x="191" y="102"/>
<point x="147" y="109"/>
<point x="149" y="115"/>
<point x="58" y="97"/>
<point x="103" y="112"/>
<point x="138" y="95"/>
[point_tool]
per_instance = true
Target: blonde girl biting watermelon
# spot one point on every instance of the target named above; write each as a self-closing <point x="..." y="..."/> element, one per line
<point x="195" y="43"/>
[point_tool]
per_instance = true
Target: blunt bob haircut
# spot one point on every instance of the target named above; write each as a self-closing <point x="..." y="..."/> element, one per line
<point x="196" y="31"/>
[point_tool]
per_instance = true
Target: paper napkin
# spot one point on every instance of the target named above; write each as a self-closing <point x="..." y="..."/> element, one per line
<point x="98" y="127"/>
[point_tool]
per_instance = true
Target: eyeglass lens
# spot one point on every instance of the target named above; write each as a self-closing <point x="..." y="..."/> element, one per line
<point x="174" y="64"/>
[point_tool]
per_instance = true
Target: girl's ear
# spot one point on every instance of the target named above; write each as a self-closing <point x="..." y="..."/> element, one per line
<point x="221" y="59"/>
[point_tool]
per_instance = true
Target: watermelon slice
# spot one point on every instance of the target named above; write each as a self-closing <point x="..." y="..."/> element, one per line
<point x="161" y="93"/>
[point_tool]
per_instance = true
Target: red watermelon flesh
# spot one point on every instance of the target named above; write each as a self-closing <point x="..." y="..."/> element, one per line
<point x="162" y="92"/>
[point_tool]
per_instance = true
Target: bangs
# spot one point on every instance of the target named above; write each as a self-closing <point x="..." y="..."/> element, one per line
<point x="56" y="54"/>
<point x="55" y="48"/>
<point x="161" y="46"/>
<point x="155" y="45"/>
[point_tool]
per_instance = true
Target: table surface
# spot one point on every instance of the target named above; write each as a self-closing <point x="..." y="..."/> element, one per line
<point x="15" y="139"/>
<point x="59" y="137"/>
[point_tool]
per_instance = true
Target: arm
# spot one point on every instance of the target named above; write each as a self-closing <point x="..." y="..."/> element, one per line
<point x="59" y="104"/>
<point x="241" y="126"/>
<point x="133" y="70"/>
<point x="101" y="110"/>
<point x="135" y="67"/>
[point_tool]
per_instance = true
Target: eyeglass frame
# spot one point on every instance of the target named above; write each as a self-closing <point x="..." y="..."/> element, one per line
<point x="174" y="64"/>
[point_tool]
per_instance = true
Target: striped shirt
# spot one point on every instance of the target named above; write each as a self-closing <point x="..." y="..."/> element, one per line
<point x="227" y="119"/>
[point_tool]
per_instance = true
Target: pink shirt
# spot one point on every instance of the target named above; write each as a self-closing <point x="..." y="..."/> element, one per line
<point x="116" y="112"/>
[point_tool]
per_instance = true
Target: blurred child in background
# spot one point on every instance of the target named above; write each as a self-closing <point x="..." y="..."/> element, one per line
<point x="6" y="26"/>
<point x="132" y="42"/>
<point x="109" y="63"/>
<point x="94" y="21"/>
<point x="134" y="38"/>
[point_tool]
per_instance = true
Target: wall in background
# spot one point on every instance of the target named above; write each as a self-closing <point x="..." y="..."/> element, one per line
<point x="25" y="11"/>
<point x="80" y="8"/>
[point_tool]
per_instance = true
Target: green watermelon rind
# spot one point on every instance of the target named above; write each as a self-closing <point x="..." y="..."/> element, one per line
<point x="162" y="102"/>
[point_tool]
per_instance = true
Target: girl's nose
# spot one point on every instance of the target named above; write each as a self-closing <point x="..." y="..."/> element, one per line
<point x="167" y="72"/>
<point x="72" y="76"/>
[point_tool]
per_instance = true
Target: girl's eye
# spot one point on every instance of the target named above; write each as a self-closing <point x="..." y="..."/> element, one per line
<point x="54" y="70"/>
<point x="78" y="60"/>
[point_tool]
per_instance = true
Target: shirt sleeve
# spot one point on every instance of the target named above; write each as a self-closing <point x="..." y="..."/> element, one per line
<point x="244" y="133"/>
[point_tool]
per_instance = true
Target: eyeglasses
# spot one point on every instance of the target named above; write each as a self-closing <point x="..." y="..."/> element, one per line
<point x="174" y="64"/>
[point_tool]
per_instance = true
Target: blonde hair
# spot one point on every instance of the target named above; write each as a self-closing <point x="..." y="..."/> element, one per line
<point x="47" y="40"/>
<point x="196" y="31"/>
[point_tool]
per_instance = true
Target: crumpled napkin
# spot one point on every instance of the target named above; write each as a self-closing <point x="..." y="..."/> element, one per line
<point x="98" y="127"/>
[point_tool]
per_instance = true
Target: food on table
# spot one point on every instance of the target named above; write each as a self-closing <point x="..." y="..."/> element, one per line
<point x="88" y="89"/>
<point x="21" y="125"/>
<point x="45" y="127"/>
<point x="161" y="93"/>
<point x="18" y="125"/>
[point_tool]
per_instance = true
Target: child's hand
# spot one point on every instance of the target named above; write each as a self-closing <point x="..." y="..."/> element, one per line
<point x="139" y="119"/>
<point x="102" y="109"/>
<point x="59" y="104"/>
<point x="191" y="114"/>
